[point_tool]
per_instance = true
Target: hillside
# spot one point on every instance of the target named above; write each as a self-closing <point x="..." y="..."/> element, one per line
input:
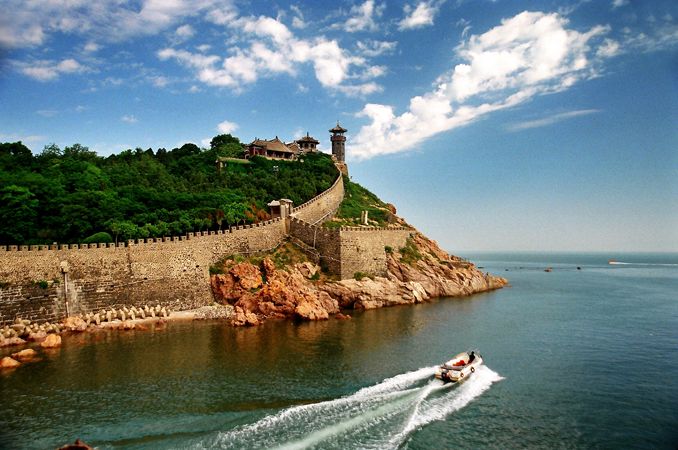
<point x="357" y="199"/>
<point x="73" y="195"/>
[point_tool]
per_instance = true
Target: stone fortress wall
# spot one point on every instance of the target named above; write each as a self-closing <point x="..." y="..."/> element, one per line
<point x="46" y="283"/>
<point x="50" y="282"/>
<point x="348" y="250"/>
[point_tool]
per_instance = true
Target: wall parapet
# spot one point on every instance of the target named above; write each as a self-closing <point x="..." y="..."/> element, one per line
<point x="139" y="242"/>
<point x="172" y="271"/>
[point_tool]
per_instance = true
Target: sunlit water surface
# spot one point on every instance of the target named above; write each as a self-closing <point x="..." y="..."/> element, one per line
<point x="574" y="359"/>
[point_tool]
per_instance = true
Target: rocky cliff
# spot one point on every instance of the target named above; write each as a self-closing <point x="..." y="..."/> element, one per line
<point x="416" y="273"/>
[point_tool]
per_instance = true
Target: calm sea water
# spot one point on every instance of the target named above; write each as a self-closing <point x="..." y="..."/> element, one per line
<point x="574" y="359"/>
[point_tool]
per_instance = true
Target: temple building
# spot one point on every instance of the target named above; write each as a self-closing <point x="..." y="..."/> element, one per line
<point x="277" y="149"/>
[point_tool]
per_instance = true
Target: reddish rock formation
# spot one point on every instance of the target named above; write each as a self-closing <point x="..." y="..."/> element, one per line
<point x="290" y="294"/>
<point x="52" y="341"/>
<point x="25" y="355"/>
<point x="239" y="280"/>
<point x="243" y="317"/>
<point x="435" y="274"/>
<point x="12" y="341"/>
<point x="75" y="324"/>
<point x="9" y="363"/>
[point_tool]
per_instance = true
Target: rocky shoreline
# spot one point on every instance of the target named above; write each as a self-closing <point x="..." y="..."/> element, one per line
<point x="415" y="275"/>
<point x="36" y="338"/>
<point x="248" y="294"/>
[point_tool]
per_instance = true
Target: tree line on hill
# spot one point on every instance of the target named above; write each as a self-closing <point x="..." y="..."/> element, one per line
<point x="73" y="195"/>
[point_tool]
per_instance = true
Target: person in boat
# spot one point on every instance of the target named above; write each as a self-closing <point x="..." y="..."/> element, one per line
<point x="471" y="356"/>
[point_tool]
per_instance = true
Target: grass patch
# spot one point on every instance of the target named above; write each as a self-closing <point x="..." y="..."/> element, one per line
<point x="356" y="200"/>
<point x="409" y="254"/>
<point x="361" y="275"/>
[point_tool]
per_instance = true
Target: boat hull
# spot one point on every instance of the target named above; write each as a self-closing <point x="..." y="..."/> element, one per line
<point x="451" y="371"/>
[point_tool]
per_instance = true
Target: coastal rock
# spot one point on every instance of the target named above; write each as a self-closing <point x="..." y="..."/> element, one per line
<point x="242" y="318"/>
<point x="426" y="273"/>
<point x="75" y="323"/>
<point x="247" y="275"/>
<point x="37" y="336"/>
<point x="307" y="269"/>
<point x="340" y="316"/>
<point x="52" y="341"/>
<point x="12" y="341"/>
<point x="9" y="363"/>
<point x="25" y="355"/>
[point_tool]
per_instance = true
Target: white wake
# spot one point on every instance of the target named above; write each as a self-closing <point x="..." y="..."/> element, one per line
<point x="620" y="263"/>
<point x="380" y="416"/>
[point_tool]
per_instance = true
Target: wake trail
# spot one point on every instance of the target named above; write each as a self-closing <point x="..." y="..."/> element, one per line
<point x="380" y="416"/>
<point x="620" y="263"/>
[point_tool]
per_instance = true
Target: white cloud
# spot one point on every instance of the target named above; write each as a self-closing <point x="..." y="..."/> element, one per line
<point x="298" y="19"/>
<point x="30" y="23"/>
<point x="91" y="47"/>
<point x="362" y="17"/>
<point x="420" y="16"/>
<point x="661" y="36"/>
<point x="227" y="127"/>
<point x="185" y="32"/>
<point x="13" y="137"/>
<point x="159" y="81"/>
<point x="608" y="49"/>
<point x="619" y="3"/>
<point x="360" y="90"/>
<point x="527" y="55"/>
<point x="47" y="112"/>
<point x="47" y="70"/>
<point x="129" y="118"/>
<point x="269" y="48"/>
<point x="550" y="120"/>
<point x="372" y="48"/>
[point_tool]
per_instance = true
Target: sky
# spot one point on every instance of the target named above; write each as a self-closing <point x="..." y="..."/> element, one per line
<point x="491" y="125"/>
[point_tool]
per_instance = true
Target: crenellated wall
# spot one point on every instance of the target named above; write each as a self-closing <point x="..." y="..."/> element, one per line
<point x="323" y="206"/>
<point x="347" y="250"/>
<point x="40" y="283"/>
<point x="49" y="282"/>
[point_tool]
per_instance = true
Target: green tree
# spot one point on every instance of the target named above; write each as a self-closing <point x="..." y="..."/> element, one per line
<point x="18" y="213"/>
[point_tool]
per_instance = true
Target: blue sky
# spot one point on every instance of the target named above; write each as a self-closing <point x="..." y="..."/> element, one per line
<point x="492" y="125"/>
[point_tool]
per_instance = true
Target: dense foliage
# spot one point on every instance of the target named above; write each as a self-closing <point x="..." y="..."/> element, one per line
<point x="71" y="194"/>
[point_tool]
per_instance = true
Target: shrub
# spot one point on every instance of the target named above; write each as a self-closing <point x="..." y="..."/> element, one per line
<point x="409" y="254"/>
<point x="42" y="283"/>
<point x="100" y="237"/>
<point x="388" y="249"/>
<point x="360" y="275"/>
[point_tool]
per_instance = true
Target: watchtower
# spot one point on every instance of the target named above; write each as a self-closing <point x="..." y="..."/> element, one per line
<point x="338" y="142"/>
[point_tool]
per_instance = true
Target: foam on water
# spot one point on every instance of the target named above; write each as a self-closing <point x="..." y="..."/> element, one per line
<point x="379" y="416"/>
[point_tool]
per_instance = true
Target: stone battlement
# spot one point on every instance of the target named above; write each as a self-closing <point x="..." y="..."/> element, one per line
<point x="48" y="282"/>
<point x="347" y="250"/>
<point x="137" y="242"/>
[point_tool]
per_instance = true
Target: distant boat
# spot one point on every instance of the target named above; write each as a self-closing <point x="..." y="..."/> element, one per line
<point x="459" y="367"/>
<point x="612" y="261"/>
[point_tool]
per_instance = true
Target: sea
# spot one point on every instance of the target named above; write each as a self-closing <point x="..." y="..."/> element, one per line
<point x="582" y="356"/>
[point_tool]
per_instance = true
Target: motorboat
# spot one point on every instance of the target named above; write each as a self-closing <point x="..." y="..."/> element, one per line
<point x="459" y="367"/>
